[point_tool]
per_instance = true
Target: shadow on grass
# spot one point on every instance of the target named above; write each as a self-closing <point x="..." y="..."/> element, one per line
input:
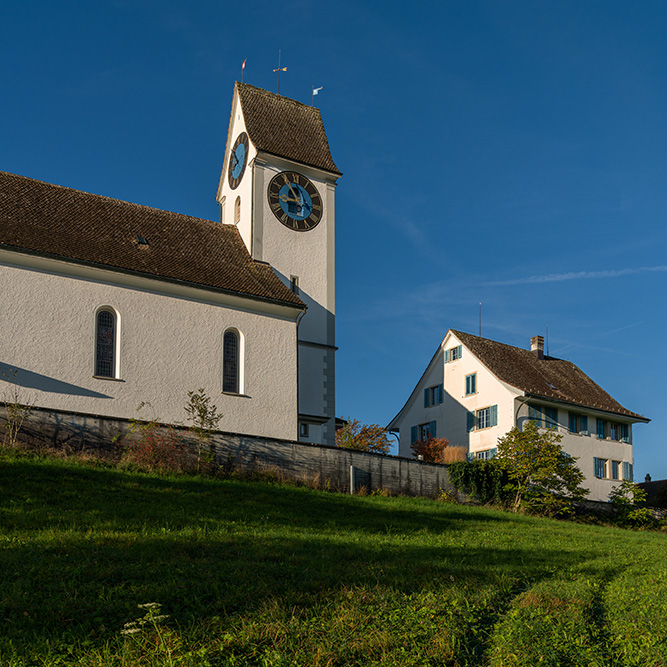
<point x="81" y="547"/>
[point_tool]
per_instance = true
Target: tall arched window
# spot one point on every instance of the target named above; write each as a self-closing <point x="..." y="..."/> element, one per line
<point x="237" y="211"/>
<point x="105" y="344"/>
<point x="230" y="362"/>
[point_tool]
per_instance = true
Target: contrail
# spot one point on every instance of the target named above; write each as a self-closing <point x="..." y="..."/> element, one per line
<point x="578" y="275"/>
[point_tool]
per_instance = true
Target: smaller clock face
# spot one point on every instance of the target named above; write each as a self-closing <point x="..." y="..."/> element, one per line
<point x="238" y="159"/>
<point x="295" y="201"/>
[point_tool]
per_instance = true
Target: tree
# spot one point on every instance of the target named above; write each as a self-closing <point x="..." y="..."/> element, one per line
<point x="628" y="500"/>
<point x="363" y="437"/>
<point x="540" y="472"/>
<point x="204" y="416"/>
<point x="437" y="450"/>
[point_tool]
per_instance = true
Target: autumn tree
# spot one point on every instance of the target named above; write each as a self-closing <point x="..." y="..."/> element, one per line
<point x="363" y="437"/>
<point x="540" y="473"/>
<point x="437" y="450"/>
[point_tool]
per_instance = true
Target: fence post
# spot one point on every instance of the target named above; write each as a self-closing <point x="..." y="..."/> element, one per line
<point x="351" y="480"/>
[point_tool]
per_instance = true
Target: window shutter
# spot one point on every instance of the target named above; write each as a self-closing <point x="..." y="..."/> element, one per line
<point x="493" y="415"/>
<point x="471" y="422"/>
<point x="446" y="356"/>
<point x="534" y="414"/>
<point x="626" y="470"/>
<point x="426" y="402"/>
<point x="631" y="470"/>
<point x="601" y="429"/>
<point x="625" y="432"/>
<point x="414" y="434"/>
<point x="441" y="393"/>
<point x="460" y="351"/>
<point x="584" y="425"/>
<point x="492" y="452"/>
<point x="431" y="429"/>
<point x="573" y="422"/>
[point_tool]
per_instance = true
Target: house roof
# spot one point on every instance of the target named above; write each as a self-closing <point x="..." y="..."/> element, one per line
<point x="58" y="222"/>
<point x="286" y="128"/>
<point x="548" y="378"/>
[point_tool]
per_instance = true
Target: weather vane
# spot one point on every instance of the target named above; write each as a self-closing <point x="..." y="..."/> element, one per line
<point x="279" y="70"/>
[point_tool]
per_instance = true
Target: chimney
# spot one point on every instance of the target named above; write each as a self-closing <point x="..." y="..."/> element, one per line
<point x="537" y="346"/>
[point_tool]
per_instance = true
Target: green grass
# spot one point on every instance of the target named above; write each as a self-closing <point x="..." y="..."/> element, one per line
<point x="262" y="574"/>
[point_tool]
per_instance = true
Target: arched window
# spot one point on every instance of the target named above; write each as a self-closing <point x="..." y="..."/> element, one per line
<point x="105" y="344"/>
<point x="230" y="362"/>
<point x="237" y="211"/>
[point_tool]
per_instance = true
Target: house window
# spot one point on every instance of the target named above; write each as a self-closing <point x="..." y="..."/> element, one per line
<point x="453" y="353"/>
<point x="294" y="284"/>
<point x="578" y="423"/>
<point x="551" y="417"/>
<point x="601" y="429"/>
<point x="484" y="418"/>
<point x="535" y="414"/>
<point x="486" y="454"/>
<point x="613" y="431"/>
<point x="422" y="431"/>
<point x="304" y="431"/>
<point x="628" y="472"/>
<point x="471" y="384"/>
<point x="615" y="469"/>
<point x="105" y="344"/>
<point x="433" y="395"/>
<point x="600" y="467"/>
<point x="230" y="362"/>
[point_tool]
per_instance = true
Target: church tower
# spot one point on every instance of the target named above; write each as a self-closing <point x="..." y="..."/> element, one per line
<point x="277" y="186"/>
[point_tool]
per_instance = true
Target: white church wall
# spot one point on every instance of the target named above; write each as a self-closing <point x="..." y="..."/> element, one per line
<point x="168" y="345"/>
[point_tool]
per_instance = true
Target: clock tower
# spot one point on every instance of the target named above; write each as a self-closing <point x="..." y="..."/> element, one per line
<point x="277" y="186"/>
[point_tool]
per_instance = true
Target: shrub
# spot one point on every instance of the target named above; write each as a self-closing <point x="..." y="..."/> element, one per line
<point x="157" y="448"/>
<point x="205" y="418"/>
<point x="484" y="480"/>
<point x="437" y="450"/>
<point x="628" y="501"/>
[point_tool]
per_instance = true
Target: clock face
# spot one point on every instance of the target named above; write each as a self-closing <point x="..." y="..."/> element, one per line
<point x="295" y="201"/>
<point x="238" y="160"/>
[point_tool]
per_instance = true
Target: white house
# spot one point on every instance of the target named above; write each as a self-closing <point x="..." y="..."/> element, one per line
<point x="474" y="390"/>
<point x="107" y="304"/>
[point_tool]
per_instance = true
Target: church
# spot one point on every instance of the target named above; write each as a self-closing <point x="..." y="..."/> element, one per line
<point x="108" y="305"/>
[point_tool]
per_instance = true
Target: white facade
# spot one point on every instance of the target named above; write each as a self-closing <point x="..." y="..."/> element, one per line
<point x="169" y="341"/>
<point x="307" y="257"/>
<point x="474" y="408"/>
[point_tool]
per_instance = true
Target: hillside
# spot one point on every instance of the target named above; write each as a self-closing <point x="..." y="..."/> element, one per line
<point x="254" y="573"/>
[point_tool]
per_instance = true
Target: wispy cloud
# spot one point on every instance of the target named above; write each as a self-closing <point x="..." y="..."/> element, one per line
<point x="578" y="275"/>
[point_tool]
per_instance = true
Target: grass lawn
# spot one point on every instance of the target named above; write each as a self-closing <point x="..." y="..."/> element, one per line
<point x="262" y="574"/>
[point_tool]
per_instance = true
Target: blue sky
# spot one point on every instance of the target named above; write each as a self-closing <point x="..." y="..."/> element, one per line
<point x="511" y="153"/>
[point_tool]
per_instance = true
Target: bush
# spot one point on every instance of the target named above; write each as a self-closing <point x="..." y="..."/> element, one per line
<point x="157" y="449"/>
<point x="484" y="480"/>
<point x="437" y="450"/>
<point x="628" y="501"/>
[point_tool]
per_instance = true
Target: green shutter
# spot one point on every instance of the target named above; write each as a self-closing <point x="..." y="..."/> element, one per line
<point x="446" y="356"/>
<point x="584" y="425"/>
<point x="432" y="429"/>
<point x="625" y="432"/>
<point x="493" y="415"/>
<point x="626" y="470"/>
<point x="601" y="429"/>
<point x="460" y="349"/>
<point x="471" y="422"/>
<point x="441" y="393"/>
<point x="426" y="403"/>
<point x="573" y="422"/>
<point x="414" y="434"/>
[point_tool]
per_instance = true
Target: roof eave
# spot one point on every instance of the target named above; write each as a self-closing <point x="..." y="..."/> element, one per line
<point x="152" y="276"/>
<point x="550" y="399"/>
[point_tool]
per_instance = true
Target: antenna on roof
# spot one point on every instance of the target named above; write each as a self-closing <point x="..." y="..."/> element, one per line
<point x="279" y="70"/>
<point x="547" y="337"/>
<point x="480" y="319"/>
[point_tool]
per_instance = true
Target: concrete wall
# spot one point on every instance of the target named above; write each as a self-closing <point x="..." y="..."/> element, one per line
<point x="79" y="433"/>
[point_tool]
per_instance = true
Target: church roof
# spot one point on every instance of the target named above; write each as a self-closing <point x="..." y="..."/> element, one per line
<point x="58" y="222"/>
<point x="548" y="378"/>
<point x="286" y="128"/>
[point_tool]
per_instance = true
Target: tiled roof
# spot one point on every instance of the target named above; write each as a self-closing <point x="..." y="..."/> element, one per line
<point x="285" y="127"/>
<point x="59" y="222"/>
<point x="548" y="378"/>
